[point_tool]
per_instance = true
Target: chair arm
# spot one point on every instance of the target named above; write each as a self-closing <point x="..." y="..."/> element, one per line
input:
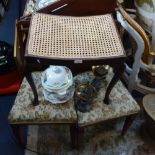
<point x="136" y="26"/>
<point x="150" y="67"/>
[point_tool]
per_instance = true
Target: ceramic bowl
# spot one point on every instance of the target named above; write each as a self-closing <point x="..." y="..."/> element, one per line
<point x="57" y="82"/>
<point x="56" y="78"/>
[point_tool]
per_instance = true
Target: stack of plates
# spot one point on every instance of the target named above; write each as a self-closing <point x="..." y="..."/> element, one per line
<point x="58" y="84"/>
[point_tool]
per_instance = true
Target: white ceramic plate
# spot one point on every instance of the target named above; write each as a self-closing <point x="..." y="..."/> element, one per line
<point x="58" y="99"/>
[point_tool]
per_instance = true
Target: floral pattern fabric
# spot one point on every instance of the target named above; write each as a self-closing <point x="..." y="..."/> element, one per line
<point x="121" y="104"/>
<point x="24" y="112"/>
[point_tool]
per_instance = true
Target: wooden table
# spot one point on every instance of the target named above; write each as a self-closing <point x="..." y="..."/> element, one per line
<point x="76" y="7"/>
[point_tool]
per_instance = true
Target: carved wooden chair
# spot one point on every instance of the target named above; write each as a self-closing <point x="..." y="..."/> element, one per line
<point x="143" y="57"/>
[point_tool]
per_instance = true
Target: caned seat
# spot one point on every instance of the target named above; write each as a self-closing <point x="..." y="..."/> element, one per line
<point x="65" y="37"/>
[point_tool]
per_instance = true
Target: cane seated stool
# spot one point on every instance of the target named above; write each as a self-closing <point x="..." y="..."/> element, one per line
<point x="75" y="42"/>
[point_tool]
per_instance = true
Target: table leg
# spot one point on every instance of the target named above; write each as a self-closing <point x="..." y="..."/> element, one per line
<point x="73" y="135"/>
<point x="77" y="134"/>
<point x="118" y="71"/>
<point x="128" y="121"/>
<point x="18" y="134"/>
<point x="80" y="137"/>
<point x="34" y="90"/>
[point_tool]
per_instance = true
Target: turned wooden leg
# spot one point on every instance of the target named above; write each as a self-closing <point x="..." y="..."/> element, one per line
<point x="32" y="85"/>
<point x="76" y="136"/>
<point x="18" y="134"/>
<point x="80" y="136"/>
<point x="73" y="135"/>
<point x="128" y="121"/>
<point x="118" y="71"/>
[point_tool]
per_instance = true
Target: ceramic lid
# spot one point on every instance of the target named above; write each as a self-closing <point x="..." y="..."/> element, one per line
<point x="56" y="78"/>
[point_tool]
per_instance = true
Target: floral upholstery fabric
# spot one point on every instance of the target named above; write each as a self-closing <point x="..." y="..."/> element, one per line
<point x="121" y="104"/>
<point x="24" y="112"/>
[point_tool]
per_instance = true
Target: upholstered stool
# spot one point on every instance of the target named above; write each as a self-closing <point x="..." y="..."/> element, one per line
<point x="121" y="105"/>
<point x="24" y="113"/>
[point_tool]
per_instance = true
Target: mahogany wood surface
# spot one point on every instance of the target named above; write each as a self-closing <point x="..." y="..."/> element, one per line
<point x="79" y="7"/>
<point x="88" y="7"/>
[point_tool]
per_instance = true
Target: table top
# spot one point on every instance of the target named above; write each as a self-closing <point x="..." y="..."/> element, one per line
<point x="23" y="112"/>
<point x="66" y="37"/>
<point x="121" y="102"/>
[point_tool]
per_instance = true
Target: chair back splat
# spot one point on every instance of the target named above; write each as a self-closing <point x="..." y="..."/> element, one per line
<point x="143" y="58"/>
